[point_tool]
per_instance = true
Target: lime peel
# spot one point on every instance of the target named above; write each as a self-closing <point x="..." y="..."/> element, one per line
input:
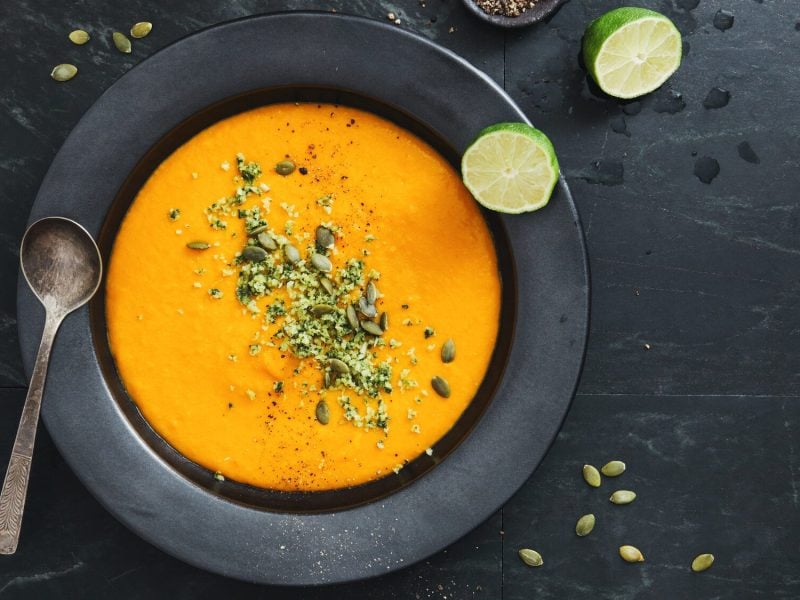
<point x="631" y="51"/>
<point x="510" y="168"/>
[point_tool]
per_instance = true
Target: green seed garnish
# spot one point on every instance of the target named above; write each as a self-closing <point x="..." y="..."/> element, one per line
<point x="440" y="386"/>
<point x="322" y="309"/>
<point x="321" y="263"/>
<point x="384" y="321"/>
<point x="266" y="241"/>
<point x="372" y="293"/>
<point x="339" y="366"/>
<point x="323" y="412"/>
<point x="372" y="328"/>
<point x="448" y="351"/>
<point x="198" y="245"/>
<point x="253" y="254"/>
<point x="324" y="237"/>
<point x="291" y="254"/>
<point x="285" y="167"/>
<point x="352" y="317"/>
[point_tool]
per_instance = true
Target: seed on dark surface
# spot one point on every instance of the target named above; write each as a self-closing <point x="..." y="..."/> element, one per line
<point x="266" y="241"/>
<point x="198" y="245"/>
<point x="285" y="167"/>
<point x="384" y="321"/>
<point x="440" y="386"/>
<point x="717" y="98"/>
<point x="122" y="43"/>
<point x="706" y="169"/>
<point x="322" y="263"/>
<point x="531" y="557"/>
<point x="591" y="475"/>
<point x="702" y="562"/>
<point x="338" y="366"/>
<point x="254" y="254"/>
<point x="747" y="153"/>
<point x="623" y="497"/>
<point x="322" y="309"/>
<point x="291" y="253"/>
<point x="614" y="468"/>
<point x="352" y="317"/>
<point x="631" y="554"/>
<point x="372" y="293"/>
<point x="367" y="309"/>
<point x="324" y="237"/>
<point x="327" y="285"/>
<point x="371" y="328"/>
<point x="723" y="20"/>
<point x="63" y="72"/>
<point x="585" y="525"/>
<point x="323" y="412"/>
<point x="79" y="37"/>
<point x="141" y="29"/>
<point x="448" y="351"/>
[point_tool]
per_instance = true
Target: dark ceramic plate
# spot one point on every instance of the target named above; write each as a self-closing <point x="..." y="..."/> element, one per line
<point x="262" y="535"/>
<point x="541" y="10"/>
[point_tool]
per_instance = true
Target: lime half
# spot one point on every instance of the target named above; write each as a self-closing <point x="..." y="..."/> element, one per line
<point x="631" y="51"/>
<point x="510" y="168"/>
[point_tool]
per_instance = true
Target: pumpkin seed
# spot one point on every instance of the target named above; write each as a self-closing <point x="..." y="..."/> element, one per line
<point x="615" y="468"/>
<point x="440" y="386"/>
<point x="585" y="525"/>
<point x="591" y="475"/>
<point x="327" y="285"/>
<point x="367" y="309"/>
<point x="372" y="293"/>
<point x="254" y="254"/>
<point x="631" y="554"/>
<point x="327" y="379"/>
<point x="122" y="43"/>
<point x="64" y="72"/>
<point x="338" y="366"/>
<point x="79" y="37"/>
<point x="198" y="245"/>
<point x="323" y="412"/>
<point x="623" y="497"/>
<point x="321" y="263"/>
<point x="448" y="351"/>
<point x="141" y="29"/>
<point x="254" y="232"/>
<point x="372" y="328"/>
<point x="291" y="254"/>
<point x="384" y="321"/>
<point x="322" y="309"/>
<point x="702" y="562"/>
<point x="352" y="317"/>
<point x="266" y="241"/>
<point x="285" y="167"/>
<point x="531" y="557"/>
<point x="324" y="237"/>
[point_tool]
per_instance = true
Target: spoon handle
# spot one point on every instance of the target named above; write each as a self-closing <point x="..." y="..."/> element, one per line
<point x="15" y="485"/>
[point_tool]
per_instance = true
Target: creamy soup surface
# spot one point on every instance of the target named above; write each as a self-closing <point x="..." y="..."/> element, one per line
<point x="242" y="358"/>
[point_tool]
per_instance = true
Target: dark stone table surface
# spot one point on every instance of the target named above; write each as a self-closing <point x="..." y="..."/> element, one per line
<point x="692" y="373"/>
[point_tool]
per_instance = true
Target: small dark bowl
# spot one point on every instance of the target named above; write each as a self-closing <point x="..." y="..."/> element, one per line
<point x="540" y="11"/>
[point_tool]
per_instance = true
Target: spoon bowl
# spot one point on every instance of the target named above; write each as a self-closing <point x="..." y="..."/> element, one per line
<point x="62" y="265"/>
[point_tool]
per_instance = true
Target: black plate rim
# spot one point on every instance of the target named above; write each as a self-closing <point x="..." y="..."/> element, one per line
<point x="411" y="524"/>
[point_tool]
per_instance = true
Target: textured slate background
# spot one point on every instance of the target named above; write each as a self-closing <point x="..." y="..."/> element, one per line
<point x="707" y="275"/>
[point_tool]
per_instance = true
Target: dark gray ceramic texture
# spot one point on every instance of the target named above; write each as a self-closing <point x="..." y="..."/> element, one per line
<point x="541" y="10"/>
<point x="133" y="483"/>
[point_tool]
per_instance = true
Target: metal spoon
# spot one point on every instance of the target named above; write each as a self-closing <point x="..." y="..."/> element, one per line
<point x="62" y="265"/>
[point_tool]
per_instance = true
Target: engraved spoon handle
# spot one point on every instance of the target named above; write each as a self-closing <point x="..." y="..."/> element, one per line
<point x="15" y="485"/>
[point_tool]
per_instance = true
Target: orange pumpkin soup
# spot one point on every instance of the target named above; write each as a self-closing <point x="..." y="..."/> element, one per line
<point x="282" y="291"/>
